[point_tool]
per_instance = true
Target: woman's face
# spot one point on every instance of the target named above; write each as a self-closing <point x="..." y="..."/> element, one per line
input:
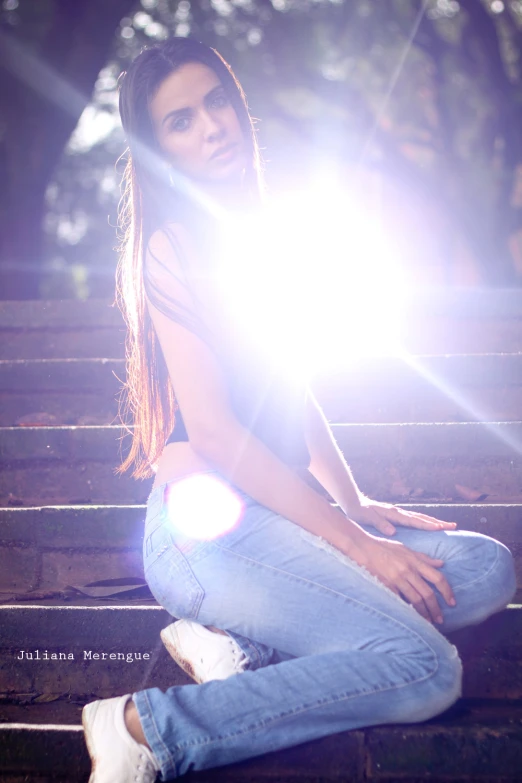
<point x="194" y="120"/>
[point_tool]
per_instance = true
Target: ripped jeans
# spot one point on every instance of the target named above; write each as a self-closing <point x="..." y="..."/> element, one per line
<point x="330" y="647"/>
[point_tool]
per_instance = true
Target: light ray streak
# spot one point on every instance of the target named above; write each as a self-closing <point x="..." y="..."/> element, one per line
<point x="40" y="76"/>
<point x="395" y="77"/>
<point x="457" y="396"/>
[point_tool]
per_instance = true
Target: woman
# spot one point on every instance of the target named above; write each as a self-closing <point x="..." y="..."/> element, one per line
<point x="350" y="622"/>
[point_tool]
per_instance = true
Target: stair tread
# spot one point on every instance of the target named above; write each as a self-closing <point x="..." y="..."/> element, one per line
<point x="474" y="740"/>
<point x="465" y="713"/>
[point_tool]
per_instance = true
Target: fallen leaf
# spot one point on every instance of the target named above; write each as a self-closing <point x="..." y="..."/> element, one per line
<point x="471" y="495"/>
<point x="38" y="419"/>
<point x="43" y="698"/>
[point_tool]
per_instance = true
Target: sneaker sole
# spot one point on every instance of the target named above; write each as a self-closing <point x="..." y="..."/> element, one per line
<point x="89" y="711"/>
<point x="182" y="662"/>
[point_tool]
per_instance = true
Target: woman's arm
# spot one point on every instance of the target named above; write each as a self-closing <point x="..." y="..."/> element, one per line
<point x="243" y="458"/>
<point x="331" y="471"/>
<point x="327" y="463"/>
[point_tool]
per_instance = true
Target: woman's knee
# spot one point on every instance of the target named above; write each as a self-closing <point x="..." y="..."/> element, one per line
<point x="507" y="576"/>
<point x="441" y="689"/>
<point x="481" y="563"/>
<point x="498" y="575"/>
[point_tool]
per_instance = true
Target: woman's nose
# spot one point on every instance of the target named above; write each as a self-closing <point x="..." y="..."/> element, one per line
<point x="213" y="130"/>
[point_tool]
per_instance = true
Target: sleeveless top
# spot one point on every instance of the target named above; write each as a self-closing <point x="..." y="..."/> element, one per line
<point x="266" y="400"/>
<point x="268" y="406"/>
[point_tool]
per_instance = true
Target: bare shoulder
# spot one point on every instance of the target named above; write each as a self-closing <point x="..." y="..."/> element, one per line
<point x="194" y="368"/>
<point x="168" y="243"/>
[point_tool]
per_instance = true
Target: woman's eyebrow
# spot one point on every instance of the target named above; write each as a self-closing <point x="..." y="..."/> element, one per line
<point x="187" y="109"/>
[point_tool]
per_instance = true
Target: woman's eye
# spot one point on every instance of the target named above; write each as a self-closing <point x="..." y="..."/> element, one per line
<point x="180" y="124"/>
<point x="220" y="100"/>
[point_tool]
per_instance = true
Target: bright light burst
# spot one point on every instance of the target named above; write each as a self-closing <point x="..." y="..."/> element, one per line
<point x="203" y="507"/>
<point x="314" y="280"/>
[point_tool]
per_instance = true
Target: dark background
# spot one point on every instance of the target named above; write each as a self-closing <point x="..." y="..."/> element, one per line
<point x="417" y="102"/>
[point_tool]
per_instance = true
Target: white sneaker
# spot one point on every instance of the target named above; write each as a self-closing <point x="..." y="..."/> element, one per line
<point x="203" y="654"/>
<point x="116" y="756"/>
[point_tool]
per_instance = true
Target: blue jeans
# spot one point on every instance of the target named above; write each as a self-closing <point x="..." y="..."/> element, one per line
<point x="344" y="651"/>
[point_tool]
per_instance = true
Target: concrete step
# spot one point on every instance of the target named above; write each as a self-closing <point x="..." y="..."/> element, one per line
<point x="449" y="388"/>
<point x="473" y="741"/>
<point x="60" y="329"/>
<point x="45" y="549"/>
<point x="434" y="321"/>
<point x="478" y="387"/>
<point x="69" y="391"/>
<point x="74" y="465"/>
<point x="491" y="651"/>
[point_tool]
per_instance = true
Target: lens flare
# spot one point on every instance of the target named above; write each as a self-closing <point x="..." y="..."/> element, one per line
<point x="313" y="280"/>
<point x="203" y="507"/>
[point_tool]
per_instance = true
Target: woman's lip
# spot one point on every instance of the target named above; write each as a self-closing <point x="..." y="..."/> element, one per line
<point x="225" y="151"/>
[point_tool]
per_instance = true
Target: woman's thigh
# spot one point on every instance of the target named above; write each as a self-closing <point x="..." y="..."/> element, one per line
<point x="270" y="580"/>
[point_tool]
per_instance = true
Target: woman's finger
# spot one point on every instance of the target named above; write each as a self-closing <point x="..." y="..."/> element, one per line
<point x="379" y="521"/>
<point x="438" y="579"/>
<point x="432" y="561"/>
<point x="427" y="596"/>
<point x="413" y="597"/>
<point x="420" y="521"/>
<point x="441" y="522"/>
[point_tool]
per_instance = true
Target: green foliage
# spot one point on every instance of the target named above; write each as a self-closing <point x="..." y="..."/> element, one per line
<point x="427" y="93"/>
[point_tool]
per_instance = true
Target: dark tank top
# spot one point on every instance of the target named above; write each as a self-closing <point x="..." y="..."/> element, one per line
<point x="269" y="408"/>
<point x="267" y="402"/>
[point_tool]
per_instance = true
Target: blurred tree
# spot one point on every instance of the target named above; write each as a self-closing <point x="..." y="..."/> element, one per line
<point x="423" y="97"/>
<point x="51" y="52"/>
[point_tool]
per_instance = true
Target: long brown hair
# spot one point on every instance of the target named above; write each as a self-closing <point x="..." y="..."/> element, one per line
<point x="147" y="403"/>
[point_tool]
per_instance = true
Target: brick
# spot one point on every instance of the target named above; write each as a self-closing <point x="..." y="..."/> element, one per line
<point x="390" y="461"/>
<point x="85" y="678"/>
<point x="69" y="483"/>
<point x="461" y="744"/>
<point x="65" y="408"/>
<point x="14" y="678"/>
<point x="75" y="526"/>
<point x="491" y="676"/>
<point x="485" y="677"/>
<point x="454" y="748"/>
<point x="18" y="569"/>
<point x="418" y="373"/>
<point x="78" y="568"/>
<point x="492" y="651"/>
<point x="80" y="375"/>
<point x="47" y="751"/>
<point x="122" y="526"/>
<point x="58" y="314"/>
<point x="56" y="344"/>
<point x="471" y="441"/>
<point x="382" y="404"/>
<point x="94" y="626"/>
<point x="503" y="522"/>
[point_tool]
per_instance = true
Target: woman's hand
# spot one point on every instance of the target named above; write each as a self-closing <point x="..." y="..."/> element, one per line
<point x="405" y="572"/>
<point x="381" y="516"/>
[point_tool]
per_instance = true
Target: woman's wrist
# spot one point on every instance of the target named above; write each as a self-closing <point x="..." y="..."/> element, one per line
<point x="345" y="534"/>
<point x="354" y="505"/>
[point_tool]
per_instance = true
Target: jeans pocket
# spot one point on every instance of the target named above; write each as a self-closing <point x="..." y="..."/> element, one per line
<point x="173" y="583"/>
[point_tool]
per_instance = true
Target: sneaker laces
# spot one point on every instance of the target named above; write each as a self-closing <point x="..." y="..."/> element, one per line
<point x="240" y="659"/>
<point x="149" y="766"/>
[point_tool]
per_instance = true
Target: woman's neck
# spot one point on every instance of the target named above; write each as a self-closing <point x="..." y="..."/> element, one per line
<point x="227" y="194"/>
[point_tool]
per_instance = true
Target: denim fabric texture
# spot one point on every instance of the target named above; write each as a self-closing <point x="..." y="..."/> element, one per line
<point x="330" y="648"/>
